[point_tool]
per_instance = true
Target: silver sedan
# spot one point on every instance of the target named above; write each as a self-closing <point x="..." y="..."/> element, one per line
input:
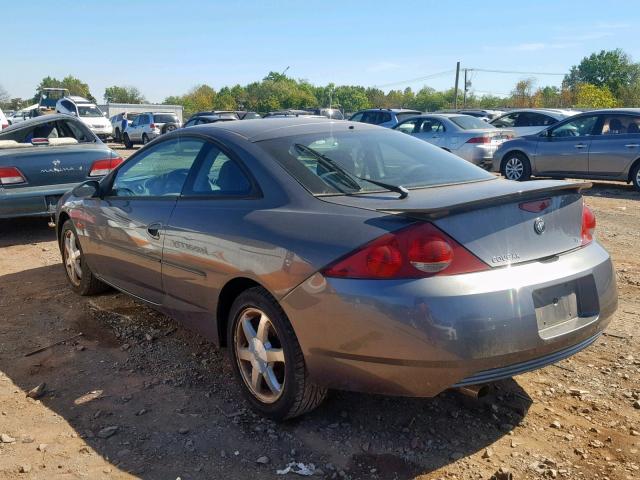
<point x="468" y="137"/>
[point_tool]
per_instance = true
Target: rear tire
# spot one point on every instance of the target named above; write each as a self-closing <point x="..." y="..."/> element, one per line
<point x="80" y="277"/>
<point x="145" y="139"/>
<point x="516" y="166"/>
<point x="269" y="356"/>
<point x="127" y="141"/>
<point x="635" y="177"/>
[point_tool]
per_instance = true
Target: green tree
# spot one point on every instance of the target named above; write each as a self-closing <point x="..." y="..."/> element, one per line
<point x="124" y="94"/>
<point x="71" y="83"/>
<point x="548" y="97"/>
<point x="522" y="94"/>
<point x="629" y="95"/>
<point x="612" y="69"/>
<point x="593" y="96"/>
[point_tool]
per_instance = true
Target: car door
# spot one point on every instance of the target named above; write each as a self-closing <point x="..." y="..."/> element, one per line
<point x="131" y="129"/>
<point x="507" y="121"/>
<point x="616" y="146"/>
<point x="131" y="218"/>
<point x="203" y="246"/>
<point x="564" y="148"/>
<point x="431" y="130"/>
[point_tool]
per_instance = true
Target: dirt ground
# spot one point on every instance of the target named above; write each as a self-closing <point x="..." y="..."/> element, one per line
<point x="138" y="396"/>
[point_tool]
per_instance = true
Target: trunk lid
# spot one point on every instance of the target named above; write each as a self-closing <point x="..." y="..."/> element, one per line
<point x="499" y="221"/>
<point x="54" y="164"/>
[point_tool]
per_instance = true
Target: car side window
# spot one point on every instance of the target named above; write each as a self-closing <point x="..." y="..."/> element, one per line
<point x="357" y="117"/>
<point x="218" y="175"/>
<point x="410" y="126"/>
<point x="530" y="119"/>
<point x="384" y="117"/>
<point x="620" y="124"/>
<point x="158" y="171"/>
<point x="578" y="127"/>
<point x="506" y="121"/>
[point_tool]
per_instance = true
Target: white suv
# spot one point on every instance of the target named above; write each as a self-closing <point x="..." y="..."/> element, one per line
<point x="88" y="112"/>
<point x="147" y="126"/>
<point x="4" y="123"/>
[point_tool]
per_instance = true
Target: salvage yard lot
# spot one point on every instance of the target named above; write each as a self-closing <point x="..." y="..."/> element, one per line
<point x="138" y="396"/>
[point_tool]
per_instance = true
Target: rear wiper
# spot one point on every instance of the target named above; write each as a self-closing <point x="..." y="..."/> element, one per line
<point x="404" y="193"/>
<point x="331" y="164"/>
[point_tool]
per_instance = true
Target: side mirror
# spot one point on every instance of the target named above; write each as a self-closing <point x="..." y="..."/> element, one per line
<point x="88" y="189"/>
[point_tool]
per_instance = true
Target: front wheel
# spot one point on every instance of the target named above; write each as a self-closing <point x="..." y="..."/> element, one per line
<point x="635" y="177"/>
<point x="267" y="359"/>
<point x="79" y="275"/>
<point x="516" y="166"/>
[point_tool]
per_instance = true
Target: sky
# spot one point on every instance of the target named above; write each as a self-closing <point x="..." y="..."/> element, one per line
<point x="167" y="47"/>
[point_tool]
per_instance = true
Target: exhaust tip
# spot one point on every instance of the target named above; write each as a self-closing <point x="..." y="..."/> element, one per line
<point x="474" y="391"/>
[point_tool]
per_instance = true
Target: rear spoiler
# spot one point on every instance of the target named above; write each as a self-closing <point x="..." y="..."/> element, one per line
<point x="439" y="212"/>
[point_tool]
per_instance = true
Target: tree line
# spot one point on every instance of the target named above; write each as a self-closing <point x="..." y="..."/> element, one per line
<point x="601" y="80"/>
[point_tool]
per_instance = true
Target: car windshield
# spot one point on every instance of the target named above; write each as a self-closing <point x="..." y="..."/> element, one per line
<point x="384" y="156"/>
<point x="164" y="118"/>
<point x="467" y="122"/>
<point x="89" y="111"/>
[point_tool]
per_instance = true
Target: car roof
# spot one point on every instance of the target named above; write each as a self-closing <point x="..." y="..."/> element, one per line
<point x="259" y="129"/>
<point x="615" y="110"/>
<point x="41" y="119"/>
<point x="392" y="110"/>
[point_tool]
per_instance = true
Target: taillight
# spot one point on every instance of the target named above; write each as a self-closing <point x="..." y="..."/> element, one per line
<point x="152" y="126"/>
<point x="417" y="251"/>
<point x="100" y="168"/>
<point x="479" y="140"/>
<point x="588" y="225"/>
<point x="11" y="176"/>
<point x="4" y="125"/>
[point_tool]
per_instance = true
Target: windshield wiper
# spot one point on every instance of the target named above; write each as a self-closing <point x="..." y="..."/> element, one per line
<point x="404" y="193"/>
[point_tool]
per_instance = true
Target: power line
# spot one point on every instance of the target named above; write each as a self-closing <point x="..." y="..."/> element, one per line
<point x="514" y="72"/>
<point x="418" y="79"/>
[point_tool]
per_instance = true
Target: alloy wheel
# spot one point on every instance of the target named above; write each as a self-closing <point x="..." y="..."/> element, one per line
<point x="638" y="178"/>
<point x="259" y="354"/>
<point x="514" y="168"/>
<point x="72" y="257"/>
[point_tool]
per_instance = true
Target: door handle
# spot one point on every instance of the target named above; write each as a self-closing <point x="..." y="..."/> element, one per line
<point x="632" y="145"/>
<point x="153" y="229"/>
<point x="580" y="145"/>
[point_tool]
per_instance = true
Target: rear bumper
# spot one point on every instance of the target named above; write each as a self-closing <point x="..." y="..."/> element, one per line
<point x="31" y="201"/>
<point x="420" y="337"/>
<point x="478" y="154"/>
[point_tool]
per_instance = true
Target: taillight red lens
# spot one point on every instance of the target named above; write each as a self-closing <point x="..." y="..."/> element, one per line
<point x="420" y="250"/>
<point x="152" y="126"/>
<point x="536" y="206"/>
<point x="588" y="225"/>
<point x="100" y="168"/>
<point x="479" y="140"/>
<point x="11" y="176"/>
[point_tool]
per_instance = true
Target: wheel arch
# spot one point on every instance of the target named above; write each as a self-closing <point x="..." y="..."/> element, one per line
<point x="64" y="216"/>
<point x="633" y="166"/>
<point x="230" y="291"/>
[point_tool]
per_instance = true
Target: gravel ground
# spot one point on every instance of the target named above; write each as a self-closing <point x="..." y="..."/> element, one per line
<point x="138" y="396"/>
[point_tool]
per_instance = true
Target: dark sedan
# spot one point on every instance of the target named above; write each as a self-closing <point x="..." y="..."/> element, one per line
<point x="333" y="254"/>
<point x="42" y="158"/>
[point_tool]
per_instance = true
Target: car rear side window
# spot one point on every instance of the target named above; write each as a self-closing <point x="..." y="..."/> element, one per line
<point x="385" y="156"/>
<point x="620" y="124"/>
<point x="218" y="175"/>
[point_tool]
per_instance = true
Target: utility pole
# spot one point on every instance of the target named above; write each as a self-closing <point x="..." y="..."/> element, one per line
<point x="455" y="90"/>
<point x="464" y="95"/>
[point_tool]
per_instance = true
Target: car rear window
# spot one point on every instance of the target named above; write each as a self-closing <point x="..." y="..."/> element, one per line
<point x="385" y="155"/>
<point x="164" y="118"/>
<point x="405" y="115"/>
<point x="467" y="122"/>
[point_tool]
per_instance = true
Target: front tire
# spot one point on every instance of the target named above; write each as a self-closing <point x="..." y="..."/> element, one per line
<point x="79" y="275"/>
<point x="267" y="359"/>
<point x="635" y="177"/>
<point x="516" y="166"/>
